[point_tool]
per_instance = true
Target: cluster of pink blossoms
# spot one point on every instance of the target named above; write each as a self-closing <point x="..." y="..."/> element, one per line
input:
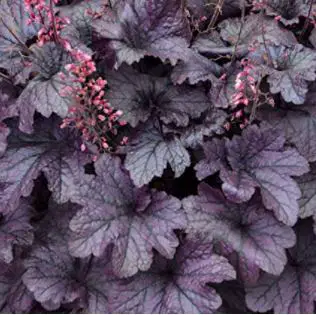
<point x="42" y="14"/>
<point x="91" y="114"/>
<point x="246" y="91"/>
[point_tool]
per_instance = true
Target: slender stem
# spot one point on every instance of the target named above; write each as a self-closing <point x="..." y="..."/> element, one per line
<point x="217" y="12"/>
<point x="243" y="13"/>
<point x="306" y="21"/>
<point x="51" y="7"/>
<point x="270" y="60"/>
<point x="256" y="103"/>
<point x="5" y="77"/>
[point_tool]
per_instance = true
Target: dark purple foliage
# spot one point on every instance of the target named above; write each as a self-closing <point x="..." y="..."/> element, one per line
<point x="189" y="186"/>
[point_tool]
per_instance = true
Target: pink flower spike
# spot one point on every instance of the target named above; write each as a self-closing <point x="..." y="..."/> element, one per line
<point x="237" y="96"/>
<point x="67" y="45"/>
<point x="69" y="66"/>
<point x="239" y="114"/>
<point x="227" y="126"/>
<point x="124" y="140"/>
<point x="239" y="85"/>
<point x="101" y="117"/>
<point x="63" y="125"/>
<point x="83" y="147"/>
<point x="245" y="101"/>
<point x="105" y="145"/>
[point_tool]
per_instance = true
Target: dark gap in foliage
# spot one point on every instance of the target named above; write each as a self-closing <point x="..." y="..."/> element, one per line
<point x="31" y="41"/>
<point x="180" y="187"/>
<point x="40" y="194"/>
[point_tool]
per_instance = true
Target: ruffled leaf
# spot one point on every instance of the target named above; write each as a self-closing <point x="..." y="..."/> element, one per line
<point x="248" y="228"/>
<point x="55" y="152"/>
<point x="298" y="124"/>
<point x="196" y="68"/>
<point x="150" y="152"/>
<point x="15" y="229"/>
<point x="14" y="296"/>
<point x="307" y="202"/>
<point x="214" y="159"/>
<point x="289" y="70"/>
<point x="256" y="29"/>
<point x="139" y="96"/>
<point x="55" y="277"/>
<point x="258" y="159"/>
<point x="288" y="11"/>
<point x="293" y="291"/>
<point x="44" y="93"/>
<point x="177" y="286"/>
<point x="14" y="34"/>
<point x="155" y="28"/>
<point x="195" y="134"/>
<point x="136" y="221"/>
<point x="199" y="8"/>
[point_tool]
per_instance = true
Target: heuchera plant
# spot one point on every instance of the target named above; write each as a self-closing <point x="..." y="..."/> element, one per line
<point x="157" y="156"/>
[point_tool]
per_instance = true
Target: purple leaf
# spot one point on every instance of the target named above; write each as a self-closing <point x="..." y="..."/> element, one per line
<point x="7" y="110"/>
<point x="43" y="93"/>
<point x="155" y="28"/>
<point x="222" y="91"/>
<point x="4" y="132"/>
<point x="289" y="11"/>
<point x="14" y="33"/>
<point x="136" y="221"/>
<point x="293" y="291"/>
<point x="14" y="296"/>
<point x="247" y="272"/>
<point x="290" y="71"/>
<point x="149" y="152"/>
<point x="312" y="37"/>
<point x="298" y="124"/>
<point x="205" y="43"/>
<point x="15" y="229"/>
<point x="177" y="286"/>
<point x="199" y="8"/>
<point x="139" y="96"/>
<point x="79" y="32"/>
<point x="49" y="275"/>
<point x="212" y="124"/>
<point x="51" y="150"/>
<point x="248" y="228"/>
<point x="55" y="277"/>
<point x="252" y="30"/>
<point x="215" y="152"/>
<point x="8" y="95"/>
<point x="307" y="184"/>
<point x="196" y="68"/>
<point x="257" y="159"/>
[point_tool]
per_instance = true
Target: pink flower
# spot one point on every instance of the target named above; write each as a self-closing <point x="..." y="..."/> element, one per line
<point x="83" y="147"/>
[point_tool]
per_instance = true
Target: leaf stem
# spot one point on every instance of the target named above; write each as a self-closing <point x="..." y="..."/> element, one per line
<point x="243" y="13"/>
<point x="51" y="7"/>
<point x="306" y="21"/>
